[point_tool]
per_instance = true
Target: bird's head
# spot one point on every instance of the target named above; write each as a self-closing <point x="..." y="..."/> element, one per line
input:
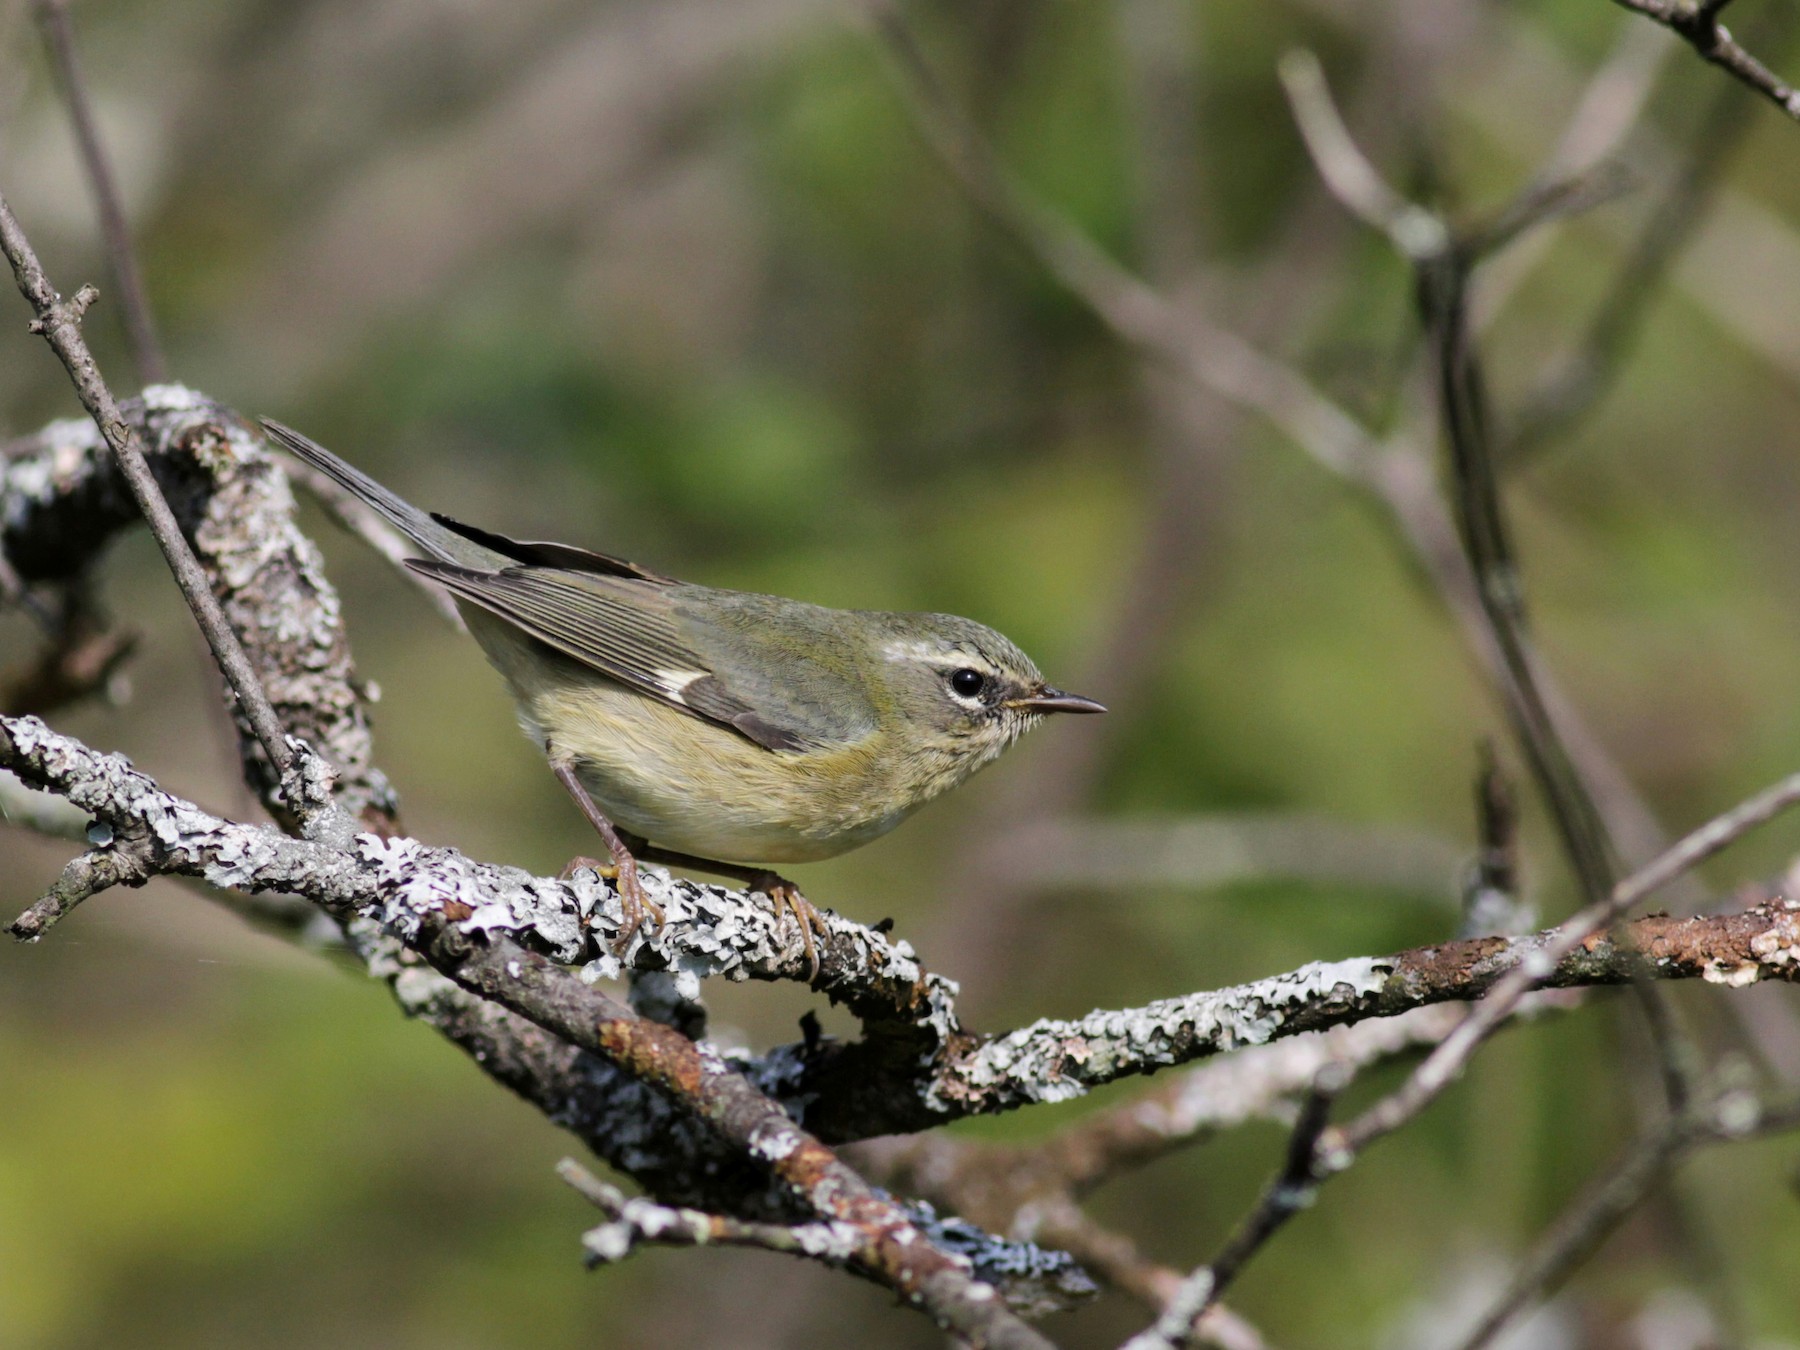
<point x="959" y="690"/>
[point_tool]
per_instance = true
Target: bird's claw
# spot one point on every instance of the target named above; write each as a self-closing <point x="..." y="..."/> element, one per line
<point x="623" y="873"/>
<point x="785" y="898"/>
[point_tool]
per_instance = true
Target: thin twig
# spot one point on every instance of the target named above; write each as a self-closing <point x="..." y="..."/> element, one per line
<point x="1294" y="1188"/>
<point x="128" y="281"/>
<point x="1442" y="264"/>
<point x="1319" y="1151"/>
<point x="1583" y="377"/>
<point x="1180" y="337"/>
<point x="1446" y="1063"/>
<point x="1416" y="232"/>
<point x="1699" y="26"/>
<point x="1490" y="893"/>
<point x="1606" y="1201"/>
<point x="59" y="323"/>
<point x="635" y="1222"/>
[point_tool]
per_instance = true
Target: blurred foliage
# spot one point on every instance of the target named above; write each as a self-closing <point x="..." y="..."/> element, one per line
<point x="680" y="280"/>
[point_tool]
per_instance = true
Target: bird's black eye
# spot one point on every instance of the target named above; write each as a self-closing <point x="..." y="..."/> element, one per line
<point x="966" y="683"/>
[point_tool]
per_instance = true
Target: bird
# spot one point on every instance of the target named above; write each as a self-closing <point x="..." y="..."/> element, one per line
<point x="718" y="730"/>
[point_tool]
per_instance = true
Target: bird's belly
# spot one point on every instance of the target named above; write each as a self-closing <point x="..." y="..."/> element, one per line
<point x="695" y="787"/>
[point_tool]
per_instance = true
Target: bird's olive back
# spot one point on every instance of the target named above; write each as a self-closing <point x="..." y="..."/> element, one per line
<point x="801" y="666"/>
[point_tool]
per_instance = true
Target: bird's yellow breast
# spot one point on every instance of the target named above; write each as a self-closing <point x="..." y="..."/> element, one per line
<point x="691" y="785"/>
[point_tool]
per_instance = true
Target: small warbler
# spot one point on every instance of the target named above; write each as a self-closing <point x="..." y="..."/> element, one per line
<point x="710" y="728"/>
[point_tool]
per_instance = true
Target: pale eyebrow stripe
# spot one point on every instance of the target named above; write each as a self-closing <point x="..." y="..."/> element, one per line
<point x="902" y="649"/>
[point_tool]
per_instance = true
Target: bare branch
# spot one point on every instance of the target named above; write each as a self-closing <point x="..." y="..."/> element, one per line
<point x="1398" y="475"/>
<point x="119" y="862"/>
<point x="632" y="1223"/>
<point x="1416" y="233"/>
<point x="1180" y="337"/>
<point x="1293" y="1189"/>
<point x="1034" y="1190"/>
<point x="1441" y="263"/>
<point x="1609" y="1198"/>
<point x="1583" y="377"/>
<point x="420" y="898"/>
<point x="862" y="1091"/>
<point x="59" y="323"/>
<point x="1698" y="25"/>
<point x="1318" y="1151"/>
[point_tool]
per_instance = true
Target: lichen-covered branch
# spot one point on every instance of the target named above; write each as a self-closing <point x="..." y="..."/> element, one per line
<point x="485" y="953"/>
<point x="1056" y="1059"/>
<point x="63" y="501"/>
<point x="409" y="887"/>
<point x="1030" y="1278"/>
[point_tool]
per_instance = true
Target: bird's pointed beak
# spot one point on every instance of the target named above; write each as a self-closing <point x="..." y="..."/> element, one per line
<point x="1048" y="700"/>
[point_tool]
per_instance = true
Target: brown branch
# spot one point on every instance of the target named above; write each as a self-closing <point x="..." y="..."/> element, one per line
<point x="447" y="916"/>
<point x="1181" y="338"/>
<point x="67" y="501"/>
<point x="1441" y="264"/>
<point x="889" y="1245"/>
<point x="1034" y="1191"/>
<point x="1582" y="379"/>
<point x="1319" y="1151"/>
<point x="1294" y="1188"/>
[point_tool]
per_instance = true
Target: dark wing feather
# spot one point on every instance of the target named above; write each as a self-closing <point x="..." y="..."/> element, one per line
<point x="543" y="554"/>
<point x="627" y="630"/>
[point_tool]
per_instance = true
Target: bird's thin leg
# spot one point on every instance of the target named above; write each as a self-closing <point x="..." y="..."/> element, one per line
<point x="631" y="891"/>
<point x="783" y="894"/>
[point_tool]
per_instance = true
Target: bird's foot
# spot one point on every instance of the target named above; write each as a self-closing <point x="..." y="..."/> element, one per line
<point x="623" y="873"/>
<point x="785" y="898"/>
<point x="605" y="870"/>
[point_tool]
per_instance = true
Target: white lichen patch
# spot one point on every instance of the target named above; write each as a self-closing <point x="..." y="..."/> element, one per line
<point x="772" y="1145"/>
<point x="1777" y="947"/>
<point x="1733" y="976"/>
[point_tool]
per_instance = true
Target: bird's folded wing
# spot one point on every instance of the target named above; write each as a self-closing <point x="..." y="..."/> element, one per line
<point x="636" y="633"/>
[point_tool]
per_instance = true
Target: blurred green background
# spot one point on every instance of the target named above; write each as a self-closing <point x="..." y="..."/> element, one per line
<point x="678" y="279"/>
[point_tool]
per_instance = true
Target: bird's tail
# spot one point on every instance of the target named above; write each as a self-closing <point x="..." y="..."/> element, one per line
<point x="436" y="539"/>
